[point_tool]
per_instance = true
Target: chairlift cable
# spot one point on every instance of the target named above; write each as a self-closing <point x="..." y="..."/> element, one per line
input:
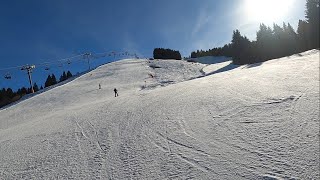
<point x="69" y="60"/>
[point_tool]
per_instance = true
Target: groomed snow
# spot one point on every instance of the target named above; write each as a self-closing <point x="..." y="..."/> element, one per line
<point x="177" y="120"/>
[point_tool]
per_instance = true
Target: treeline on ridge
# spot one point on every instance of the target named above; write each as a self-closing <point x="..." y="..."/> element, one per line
<point x="8" y="96"/>
<point x="161" y="53"/>
<point x="270" y="43"/>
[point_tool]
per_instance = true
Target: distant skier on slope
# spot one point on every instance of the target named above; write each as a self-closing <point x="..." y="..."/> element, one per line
<point x="115" y="92"/>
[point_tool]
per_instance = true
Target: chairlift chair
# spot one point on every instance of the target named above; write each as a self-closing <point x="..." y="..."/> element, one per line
<point x="7" y="76"/>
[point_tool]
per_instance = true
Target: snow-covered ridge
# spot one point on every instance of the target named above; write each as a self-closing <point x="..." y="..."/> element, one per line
<point x="254" y="121"/>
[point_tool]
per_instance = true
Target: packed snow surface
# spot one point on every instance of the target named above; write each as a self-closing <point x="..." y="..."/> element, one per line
<point x="171" y="120"/>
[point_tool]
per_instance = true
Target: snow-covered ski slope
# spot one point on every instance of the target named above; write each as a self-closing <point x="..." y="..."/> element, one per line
<point x="177" y="120"/>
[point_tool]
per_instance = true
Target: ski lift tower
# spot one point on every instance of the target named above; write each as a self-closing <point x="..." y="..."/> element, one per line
<point x="29" y="68"/>
<point x="87" y="56"/>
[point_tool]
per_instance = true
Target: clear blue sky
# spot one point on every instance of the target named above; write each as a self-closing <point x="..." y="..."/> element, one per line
<point x="36" y="31"/>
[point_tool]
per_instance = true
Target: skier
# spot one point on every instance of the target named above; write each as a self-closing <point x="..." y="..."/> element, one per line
<point x="115" y="92"/>
<point x="99" y="86"/>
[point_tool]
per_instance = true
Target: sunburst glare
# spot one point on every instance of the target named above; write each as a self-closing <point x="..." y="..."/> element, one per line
<point x="267" y="10"/>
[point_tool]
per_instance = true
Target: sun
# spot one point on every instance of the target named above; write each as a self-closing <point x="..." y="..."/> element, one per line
<point x="267" y="11"/>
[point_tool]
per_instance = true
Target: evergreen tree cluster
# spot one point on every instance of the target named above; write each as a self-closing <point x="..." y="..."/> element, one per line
<point x="23" y="91"/>
<point x="161" y="53"/>
<point x="218" y="51"/>
<point x="270" y="43"/>
<point x="65" y="76"/>
<point x="51" y="79"/>
<point x="8" y="96"/>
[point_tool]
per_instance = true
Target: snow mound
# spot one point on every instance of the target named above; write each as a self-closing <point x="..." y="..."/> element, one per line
<point x="167" y="72"/>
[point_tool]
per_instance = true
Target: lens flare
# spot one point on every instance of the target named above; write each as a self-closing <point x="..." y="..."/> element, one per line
<point x="267" y="11"/>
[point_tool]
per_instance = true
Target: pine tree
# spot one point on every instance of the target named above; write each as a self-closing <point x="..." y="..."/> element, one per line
<point x="24" y="91"/>
<point x="35" y="87"/>
<point x="241" y="49"/>
<point x="312" y="16"/>
<point x="303" y="35"/>
<point x="9" y="93"/>
<point x="193" y="55"/>
<point x="265" y="43"/>
<point x="292" y="40"/>
<point x="1" y="95"/>
<point x="236" y="38"/>
<point x="312" y="11"/>
<point x="63" y="77"/>
<point x="278" y="41"/>
<point x="69" y="75"/>
<point x="48" y="81"/>
<point x="19" y="92"/>
<point x="53" y="79"/>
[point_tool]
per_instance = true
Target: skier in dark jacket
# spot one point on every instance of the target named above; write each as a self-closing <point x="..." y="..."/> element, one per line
<point x="115" y="92"/>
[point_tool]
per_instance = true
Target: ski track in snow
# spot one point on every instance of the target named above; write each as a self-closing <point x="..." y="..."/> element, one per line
<point x="172" y="120"/>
